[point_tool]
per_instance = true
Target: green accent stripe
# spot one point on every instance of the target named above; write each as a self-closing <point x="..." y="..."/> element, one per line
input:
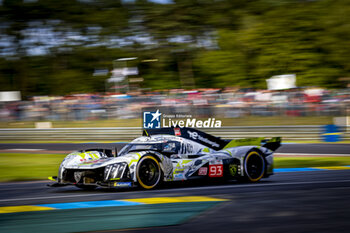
<point x="244" y="142"/>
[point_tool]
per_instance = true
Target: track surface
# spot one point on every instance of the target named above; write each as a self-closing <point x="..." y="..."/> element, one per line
<point x="312" y="148"/>
<point x="316" y="201"/>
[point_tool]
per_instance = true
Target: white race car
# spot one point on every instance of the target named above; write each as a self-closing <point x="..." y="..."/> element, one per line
<point x="169" y="154"/>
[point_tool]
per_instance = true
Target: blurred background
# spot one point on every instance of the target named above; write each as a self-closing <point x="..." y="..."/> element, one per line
<point x="78" y="71"/>
<point x="96" y="61"/>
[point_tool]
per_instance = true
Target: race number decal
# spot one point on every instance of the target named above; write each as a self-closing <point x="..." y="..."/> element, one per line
<point x="216" y="170"/>
<point x="203" y="171"/>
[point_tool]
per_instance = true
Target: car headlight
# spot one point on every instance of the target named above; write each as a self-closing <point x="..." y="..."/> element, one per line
<point x="114" y="171"/>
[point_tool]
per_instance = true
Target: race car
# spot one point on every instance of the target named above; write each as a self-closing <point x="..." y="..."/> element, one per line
<point x="167" y="155"/>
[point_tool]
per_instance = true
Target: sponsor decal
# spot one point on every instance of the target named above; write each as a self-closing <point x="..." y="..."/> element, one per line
<point x="196" y="136"/>
<point x="233" y="169"/>
<point x="203" y="171"/>
<point x="177" y="131"/>
<point x="216" y="161"/>
<point x="151" y="120"/>
<point x="179" y="176"/>
<point x="122" y="184"/>
<point x="192" y="123"/>
<point x="179" y="170"/>
<point x="216" y="170"/>
<point x="91" y="162"/>
<point x="156" y="120"/>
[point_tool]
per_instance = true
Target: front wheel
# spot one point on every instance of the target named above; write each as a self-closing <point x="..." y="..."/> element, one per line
<point x="254" y="166"/>
<point x="148" y="172"/>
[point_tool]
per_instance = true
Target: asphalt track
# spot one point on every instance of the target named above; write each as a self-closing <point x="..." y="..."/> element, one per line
<point x="310" y="201"/>
<point x="310" y="148"/>
<point x="315" y="201"/>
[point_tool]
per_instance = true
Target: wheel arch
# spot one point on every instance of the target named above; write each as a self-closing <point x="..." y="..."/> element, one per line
<point x="159" y="157"/>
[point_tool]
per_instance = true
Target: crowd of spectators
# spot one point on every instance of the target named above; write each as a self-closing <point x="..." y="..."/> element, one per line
<point x="227" y="103"/>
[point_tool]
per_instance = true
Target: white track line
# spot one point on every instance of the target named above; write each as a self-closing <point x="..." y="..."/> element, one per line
<point x="183" y="189"/>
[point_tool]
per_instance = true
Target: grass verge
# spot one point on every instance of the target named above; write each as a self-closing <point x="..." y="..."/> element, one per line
<point x="24" y="166"/>
<point x="291" y="162"/>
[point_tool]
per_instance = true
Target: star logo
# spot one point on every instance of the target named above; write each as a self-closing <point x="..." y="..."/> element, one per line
<point x="156" y="115"/>
<point x="151" y="120"/>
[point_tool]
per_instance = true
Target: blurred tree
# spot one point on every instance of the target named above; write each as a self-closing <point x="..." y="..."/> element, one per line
<point x="54" y="46"/>
<point x="286" y="38"/>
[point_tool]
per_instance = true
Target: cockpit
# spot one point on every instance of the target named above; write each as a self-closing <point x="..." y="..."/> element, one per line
<point x="167" y="148"/>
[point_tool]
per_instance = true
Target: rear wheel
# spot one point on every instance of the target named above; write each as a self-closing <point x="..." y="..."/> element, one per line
<point x="254" y="166"/>
<point x="148" y="172"/>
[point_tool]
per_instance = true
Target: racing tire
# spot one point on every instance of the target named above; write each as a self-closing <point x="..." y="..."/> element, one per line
<point x="148" y="172"/>
<point x="86" y="187"/>
<point x="254" y="166"/>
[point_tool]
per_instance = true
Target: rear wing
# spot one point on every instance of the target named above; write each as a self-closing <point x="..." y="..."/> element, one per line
<point x="213" y="142"/>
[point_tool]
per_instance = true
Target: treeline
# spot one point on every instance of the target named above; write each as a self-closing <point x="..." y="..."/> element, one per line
<point x="53" y="47"/>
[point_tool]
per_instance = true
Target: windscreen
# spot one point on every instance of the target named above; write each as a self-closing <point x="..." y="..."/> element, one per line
<point x="140" y="147"/>
<point x="169" y="147"/>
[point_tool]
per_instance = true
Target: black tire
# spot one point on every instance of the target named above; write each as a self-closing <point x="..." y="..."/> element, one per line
<point x="86" y="187"/>
<point x="148" y="172"/>
<point x="254" y="166"/>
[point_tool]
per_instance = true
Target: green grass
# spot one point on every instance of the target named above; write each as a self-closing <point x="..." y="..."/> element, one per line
<point x="315" y="141"/>
<point x="290" y="162"/>
<point x="242" y="121"/>
<point x="26" y="166"/>
<point x="22" y="166"/>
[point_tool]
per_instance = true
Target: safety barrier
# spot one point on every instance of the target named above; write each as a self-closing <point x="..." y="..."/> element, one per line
<point x="300" y="132"/>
